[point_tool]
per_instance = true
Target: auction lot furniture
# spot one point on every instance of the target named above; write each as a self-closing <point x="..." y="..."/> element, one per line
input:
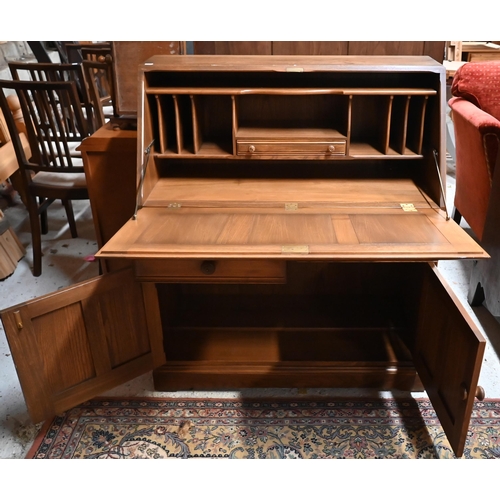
<point x="286" y="230"/>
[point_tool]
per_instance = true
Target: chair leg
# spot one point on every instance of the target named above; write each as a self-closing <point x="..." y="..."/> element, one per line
<point x="44" y="223"/>
<point x="36" y="237"/>
<point x="456" y="215"/>
<point x="71" y="217"/>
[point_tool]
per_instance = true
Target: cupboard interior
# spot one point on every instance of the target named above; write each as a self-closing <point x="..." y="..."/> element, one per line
<point x="325" y="313"/>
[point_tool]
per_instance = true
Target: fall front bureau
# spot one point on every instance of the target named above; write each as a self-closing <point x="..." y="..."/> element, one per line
<point x="288" y="221"/>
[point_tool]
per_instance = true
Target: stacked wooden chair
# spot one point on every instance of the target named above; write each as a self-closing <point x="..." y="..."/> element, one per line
<point x="55" y="126"/>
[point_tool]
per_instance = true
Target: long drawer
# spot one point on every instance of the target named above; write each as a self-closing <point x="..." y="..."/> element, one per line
<point x="210" y="271"/>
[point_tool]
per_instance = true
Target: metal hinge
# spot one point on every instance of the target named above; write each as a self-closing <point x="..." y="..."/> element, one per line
<point x="291" y="206"/>
<point x="295" y="249"/>
<point x="408" y="207"/>
<point x="173" y="206"/>
<point x="18" y="319"/>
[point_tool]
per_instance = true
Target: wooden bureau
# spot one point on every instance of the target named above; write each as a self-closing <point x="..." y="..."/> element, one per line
<point x="288" y="221"/>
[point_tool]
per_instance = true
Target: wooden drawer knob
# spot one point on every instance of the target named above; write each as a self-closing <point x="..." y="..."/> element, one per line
<point x="251" y="148"/>
<point x="480" y="394"/>
<point x="208" y="267"/>
<point x="331" y="148"/>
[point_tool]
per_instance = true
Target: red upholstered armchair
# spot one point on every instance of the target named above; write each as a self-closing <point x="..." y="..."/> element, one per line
<point x="476" y="118"/>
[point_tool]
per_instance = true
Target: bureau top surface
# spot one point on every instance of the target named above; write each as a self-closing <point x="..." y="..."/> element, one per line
<point x="292" y="63"/>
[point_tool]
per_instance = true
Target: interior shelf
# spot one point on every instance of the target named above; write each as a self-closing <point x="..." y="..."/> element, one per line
<point x="308" y="123"/>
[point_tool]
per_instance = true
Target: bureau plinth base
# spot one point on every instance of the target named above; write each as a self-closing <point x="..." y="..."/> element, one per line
<point x="177" y="376"/>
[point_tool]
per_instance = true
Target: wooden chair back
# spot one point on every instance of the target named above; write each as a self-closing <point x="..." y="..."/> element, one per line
<point x="99" y="76"/>
<point x="73" y="50"/>
<point x="59" y="72"/>
<point x="77" y="52"/>
<point x="54" y="122"/>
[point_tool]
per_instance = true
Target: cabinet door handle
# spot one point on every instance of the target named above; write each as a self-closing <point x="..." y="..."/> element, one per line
<point x="480" y="394"/>
<point x="208" y="267"/>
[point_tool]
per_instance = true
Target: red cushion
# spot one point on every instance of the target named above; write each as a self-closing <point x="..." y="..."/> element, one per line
<point x="479" y="83"/>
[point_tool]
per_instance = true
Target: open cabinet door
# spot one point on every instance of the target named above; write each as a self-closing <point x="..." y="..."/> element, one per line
<point x="448" y="354"/>
<point x="73" y="344"/>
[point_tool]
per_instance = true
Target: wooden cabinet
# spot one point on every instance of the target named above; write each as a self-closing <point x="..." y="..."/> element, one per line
<point x="288" y="220"/>
<point x="109" y="158"/>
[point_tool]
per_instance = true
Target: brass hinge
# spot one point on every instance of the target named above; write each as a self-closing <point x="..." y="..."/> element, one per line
<point x="18" y="319"/>
<point x="173" y="206"/>
<point x="295" y="249"/>
<point x="408" y="207"/>
<point x="291" y="206"/>
<point x="294" y="69"/>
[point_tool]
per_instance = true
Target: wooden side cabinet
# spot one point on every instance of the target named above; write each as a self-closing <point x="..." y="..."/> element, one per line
<point x="286" y="231"/>
<point x="109" y="159"/>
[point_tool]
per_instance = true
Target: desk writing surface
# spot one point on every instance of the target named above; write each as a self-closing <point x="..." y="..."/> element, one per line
<point x="346" y="220"/>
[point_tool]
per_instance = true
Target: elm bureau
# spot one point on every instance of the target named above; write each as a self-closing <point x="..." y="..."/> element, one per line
<point x="286" y="232"/>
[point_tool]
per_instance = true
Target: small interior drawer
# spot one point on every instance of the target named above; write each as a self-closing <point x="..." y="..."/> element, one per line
<point x="210" y="271"/>
<point x="291" y="147"/>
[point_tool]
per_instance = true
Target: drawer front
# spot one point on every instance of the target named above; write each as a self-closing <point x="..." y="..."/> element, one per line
<point x="291" y="148"/>
<point x="210" y="271"/>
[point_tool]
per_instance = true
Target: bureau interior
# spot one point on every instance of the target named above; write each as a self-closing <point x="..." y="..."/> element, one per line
<point x="326" y="312"/>
<point x="248" y="124"/>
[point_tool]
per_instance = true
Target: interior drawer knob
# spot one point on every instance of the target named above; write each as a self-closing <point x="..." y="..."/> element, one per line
<point x="251" y="148"/>
<point x="208" y="267"/>
<point x="331" y="148"/>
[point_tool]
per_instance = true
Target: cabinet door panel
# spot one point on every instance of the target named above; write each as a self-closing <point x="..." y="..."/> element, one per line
<point x="449" y="351"/>
<point x="71" y="345"/>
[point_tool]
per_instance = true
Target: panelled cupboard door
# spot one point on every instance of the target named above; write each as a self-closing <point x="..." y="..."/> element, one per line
<point x="448" y="354"/>
<point x="72" y="345"/>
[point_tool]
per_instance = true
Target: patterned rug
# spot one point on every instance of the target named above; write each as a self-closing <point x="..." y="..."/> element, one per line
<point x="261" y="428"/>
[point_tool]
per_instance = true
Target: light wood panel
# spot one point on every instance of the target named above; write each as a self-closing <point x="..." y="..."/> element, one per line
<point x="239" y="192"/>
<point x="448" y="355"/>
<point x="275" y="233"/>
<point x="72" y="345"/>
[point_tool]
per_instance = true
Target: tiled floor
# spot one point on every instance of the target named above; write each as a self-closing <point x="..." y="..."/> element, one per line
<point x="64" y="263"/>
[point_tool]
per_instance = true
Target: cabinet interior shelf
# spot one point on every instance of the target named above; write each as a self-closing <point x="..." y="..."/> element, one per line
<point x="293" y="123"/>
